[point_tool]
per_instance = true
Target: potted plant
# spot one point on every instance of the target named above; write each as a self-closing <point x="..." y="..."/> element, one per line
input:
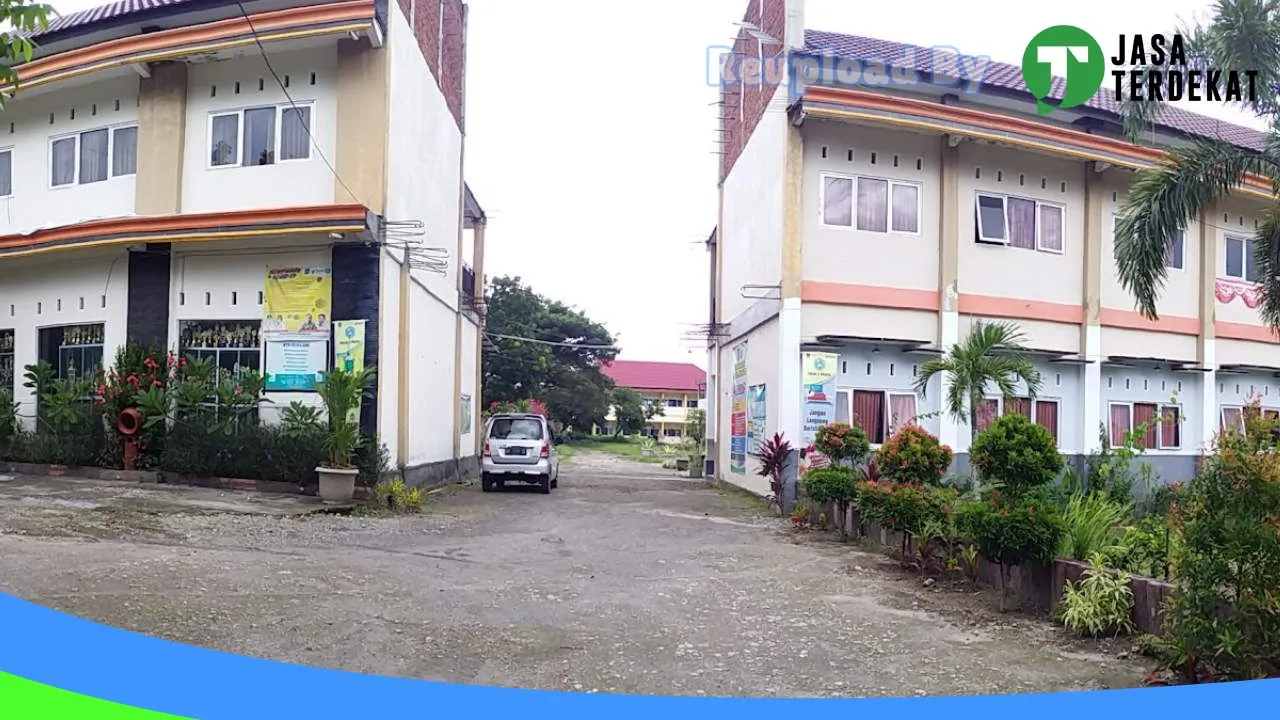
<point x="341" y="391"/>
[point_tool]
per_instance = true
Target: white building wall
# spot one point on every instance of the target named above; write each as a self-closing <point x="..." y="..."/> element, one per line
<point x="212" y="89"/>
<point x="389" y="355"/>
<point x="762" y="368"/>
<point x="227" y="284"/>
<point x="432" y="403"/>
<point x="1159" y="386"/>
<point x="470" y="386"/>
<point x="49" y="292"/>
<point x="751" y="235"/>
<point x="28" y="124"/>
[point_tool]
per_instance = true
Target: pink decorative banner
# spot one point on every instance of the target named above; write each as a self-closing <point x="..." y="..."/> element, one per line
<point x="1228" y="290"/>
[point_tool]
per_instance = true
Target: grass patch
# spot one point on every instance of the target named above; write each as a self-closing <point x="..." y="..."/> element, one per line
<point x="566" y="453"/>
<point x="627" y="447"/>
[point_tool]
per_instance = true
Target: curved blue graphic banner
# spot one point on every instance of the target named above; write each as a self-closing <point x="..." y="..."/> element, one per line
<point x="47" y="650"/>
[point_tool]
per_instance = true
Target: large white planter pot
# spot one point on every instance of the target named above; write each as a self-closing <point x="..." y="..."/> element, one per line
<point x="337" y="485"/>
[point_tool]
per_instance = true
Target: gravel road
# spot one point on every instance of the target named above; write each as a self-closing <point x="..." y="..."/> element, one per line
<point x="625" y="579"/>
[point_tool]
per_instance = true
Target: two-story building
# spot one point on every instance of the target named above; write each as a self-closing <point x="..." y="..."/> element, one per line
<point x="875" y="222"/>
<point x="674" y="388"/>
<point x="231" y="179"/>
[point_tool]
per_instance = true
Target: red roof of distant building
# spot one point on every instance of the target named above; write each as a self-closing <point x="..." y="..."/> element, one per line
<point x="642" y="375"/>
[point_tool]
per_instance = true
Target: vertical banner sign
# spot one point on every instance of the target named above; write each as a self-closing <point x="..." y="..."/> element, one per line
<point x="738" y="412"/>
<point x="296" y="312"/>
<point x="818" y="372"/>
<point x="464" y="407"/>
<point x="348" y="352"/>
<point x="755" y="416"/>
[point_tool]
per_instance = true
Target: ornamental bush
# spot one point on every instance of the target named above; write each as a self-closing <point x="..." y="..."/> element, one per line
<point x="843" y="443"/>
<point x="913" y="455"/>
<point x="829" y="484"/>
<point x="904" y="507"/>
<point x="1012" y="531"/>
<point x="1016" y="453"/>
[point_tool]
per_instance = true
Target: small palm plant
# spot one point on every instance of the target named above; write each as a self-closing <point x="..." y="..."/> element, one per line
<point x="342" y="391"/>
<point x="992" y="355"/>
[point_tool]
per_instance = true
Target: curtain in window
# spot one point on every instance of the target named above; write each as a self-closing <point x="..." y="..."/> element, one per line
<point x="1170" y="428"/>
<point x="63" y="164"/>
<point x="868" y="414"/>
<point x="1119" y="424"/>
<point x="1018" y="406"/>
<point x="837" y="201"/>
<point x="6" y="173"/>
<point x="93" y="156"/>
<point x="1050" y="228"/>
<point x="1022" y="223"/>
<point x="906" y="208"/>
<point x="1271" y="414"/>
<point x="295" y="133"/>
<point x="124" y="152"/>
<point x="842" y="406"/>
<point x="988" y="410"/>
<point x="873" y="204"/>
<point x="225" y="143"/>
<point x="1232" y="419"/>
<point x="1047" y="417"/>
<point x="902" y="410"/>
<point x="260" y="136"/>
<point x="1144" y="413"/>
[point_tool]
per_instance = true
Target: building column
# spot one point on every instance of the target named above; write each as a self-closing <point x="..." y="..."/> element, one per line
<point x="477" y="261"/>
<point x="790" y="317"/>
<point x="1091" y="331"/>
<point x="162" y="133"/>
<point x="356" y="295"/>
<point x="1208" y="344"/>
<point x="361" y="155"/>
<point x="950" y="431"/>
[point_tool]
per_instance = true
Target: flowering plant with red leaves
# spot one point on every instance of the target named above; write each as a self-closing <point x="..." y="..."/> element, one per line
<point x="842" y="443"/>
<point x="913" y="455"/>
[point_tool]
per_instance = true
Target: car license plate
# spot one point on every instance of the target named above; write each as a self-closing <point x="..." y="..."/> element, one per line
<point x="515" y="451"/>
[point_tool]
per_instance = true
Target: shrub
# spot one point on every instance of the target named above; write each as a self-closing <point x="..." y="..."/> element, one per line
<point x="1093" y="524"/>
<point x="773" y="455"/>
<point x="1016" y="453"/>
<point x="829" y="484"/>
<point x="1221" y="613"/>
<point x="1012" y="532"/>
<point x="1101" y="602"/>
<point x="841" y="442"/>
<point x="913" y="455"/>
<point x="396" y="497"/>
<point x="904" y="507"/>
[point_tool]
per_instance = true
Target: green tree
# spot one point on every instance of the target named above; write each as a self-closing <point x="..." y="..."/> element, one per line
<point x="545" y="350"/>
<point x="1240" y="35"/>
<point x="992" y="355"/>
<point x="630" y="412"/>
<point x="23" y="19"/>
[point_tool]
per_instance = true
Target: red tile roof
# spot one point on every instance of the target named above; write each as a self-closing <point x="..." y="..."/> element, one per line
<point x="1008" y="77"/>
<point x="641" y="375"/>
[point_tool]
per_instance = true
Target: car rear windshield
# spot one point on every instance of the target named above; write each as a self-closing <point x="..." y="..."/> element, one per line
<point x="516" y="429"/>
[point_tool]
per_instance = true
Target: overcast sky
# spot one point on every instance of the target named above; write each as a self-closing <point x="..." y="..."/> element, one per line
<point x="590" y="133"/>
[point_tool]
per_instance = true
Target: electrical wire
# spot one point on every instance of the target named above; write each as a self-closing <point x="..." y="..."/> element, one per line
<point x="253" y="30"/>
<point x="580" y="346"/>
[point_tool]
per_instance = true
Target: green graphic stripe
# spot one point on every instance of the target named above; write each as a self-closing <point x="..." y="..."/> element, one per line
<point x="22" y="699"/>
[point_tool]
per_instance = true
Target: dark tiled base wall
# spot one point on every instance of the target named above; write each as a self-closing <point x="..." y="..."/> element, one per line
<point x="444" y="472"/>
<point x="1169" y="468"/>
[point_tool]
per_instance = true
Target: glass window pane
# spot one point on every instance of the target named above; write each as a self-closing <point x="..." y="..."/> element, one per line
<point x="225" y="140"/>
<point x="93" y="156"/>
<point x="1250" y="265"/>
<point x="1174" y="251"/>
<point x="295" y="133"/>
<point x="906" y="208"/>
<point x="124" y="151"/>
<point x="1051" y="228"/>
<point x="1235" y="257"/>
<point x="991" y="217"/>
<point x="837" y="201"/>
<point x="1022" y="223"/>
<point x="6" y="173"/>
<point x="63" y="163"/>
<point x="260" y="136"/>
<point x="873" y="205"/>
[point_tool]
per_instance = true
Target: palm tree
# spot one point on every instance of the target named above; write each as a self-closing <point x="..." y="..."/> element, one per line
<point x="1240" y="35"/>
<point x="993" y="354"/>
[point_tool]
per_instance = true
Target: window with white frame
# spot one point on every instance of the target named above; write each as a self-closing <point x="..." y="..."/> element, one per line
<point x="871" y="204"/>
<point x="260" y="135"/>
<point x="1232" y="417"/>
<point x="1041" y="412"/>
<point x="1240" y="262"/>
<point x="1174" y="252"/>
<point x="878" y="413"/>
<point x="1163" y="425"/>
<point x="1019" y="222"/>
<point x="6" y="172"/>
<point x="93" y="156"/>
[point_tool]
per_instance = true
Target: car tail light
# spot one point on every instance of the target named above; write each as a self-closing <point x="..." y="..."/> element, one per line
<point x="546" y="450"/>
<point x="487" y="452"/>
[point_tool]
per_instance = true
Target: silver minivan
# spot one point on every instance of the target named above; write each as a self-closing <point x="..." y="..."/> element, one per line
<point x="519" y="448"/>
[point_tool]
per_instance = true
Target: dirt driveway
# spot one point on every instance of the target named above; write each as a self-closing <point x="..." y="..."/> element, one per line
<point x="625" y="579"/>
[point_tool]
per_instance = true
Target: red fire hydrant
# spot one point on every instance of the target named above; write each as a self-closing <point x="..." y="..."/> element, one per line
<point x="129" y="424"/>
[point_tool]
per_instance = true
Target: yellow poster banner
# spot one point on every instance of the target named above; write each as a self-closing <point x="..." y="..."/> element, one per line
<point x="298" y="301"/>
<point x="348" y="352"/>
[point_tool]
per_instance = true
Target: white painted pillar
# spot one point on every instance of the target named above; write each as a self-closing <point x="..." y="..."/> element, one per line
<point x="950" y="432"/>
<point x="1091" y="389"/>
<point x="1209" y="421"/>
<point x="790" y="376"/>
